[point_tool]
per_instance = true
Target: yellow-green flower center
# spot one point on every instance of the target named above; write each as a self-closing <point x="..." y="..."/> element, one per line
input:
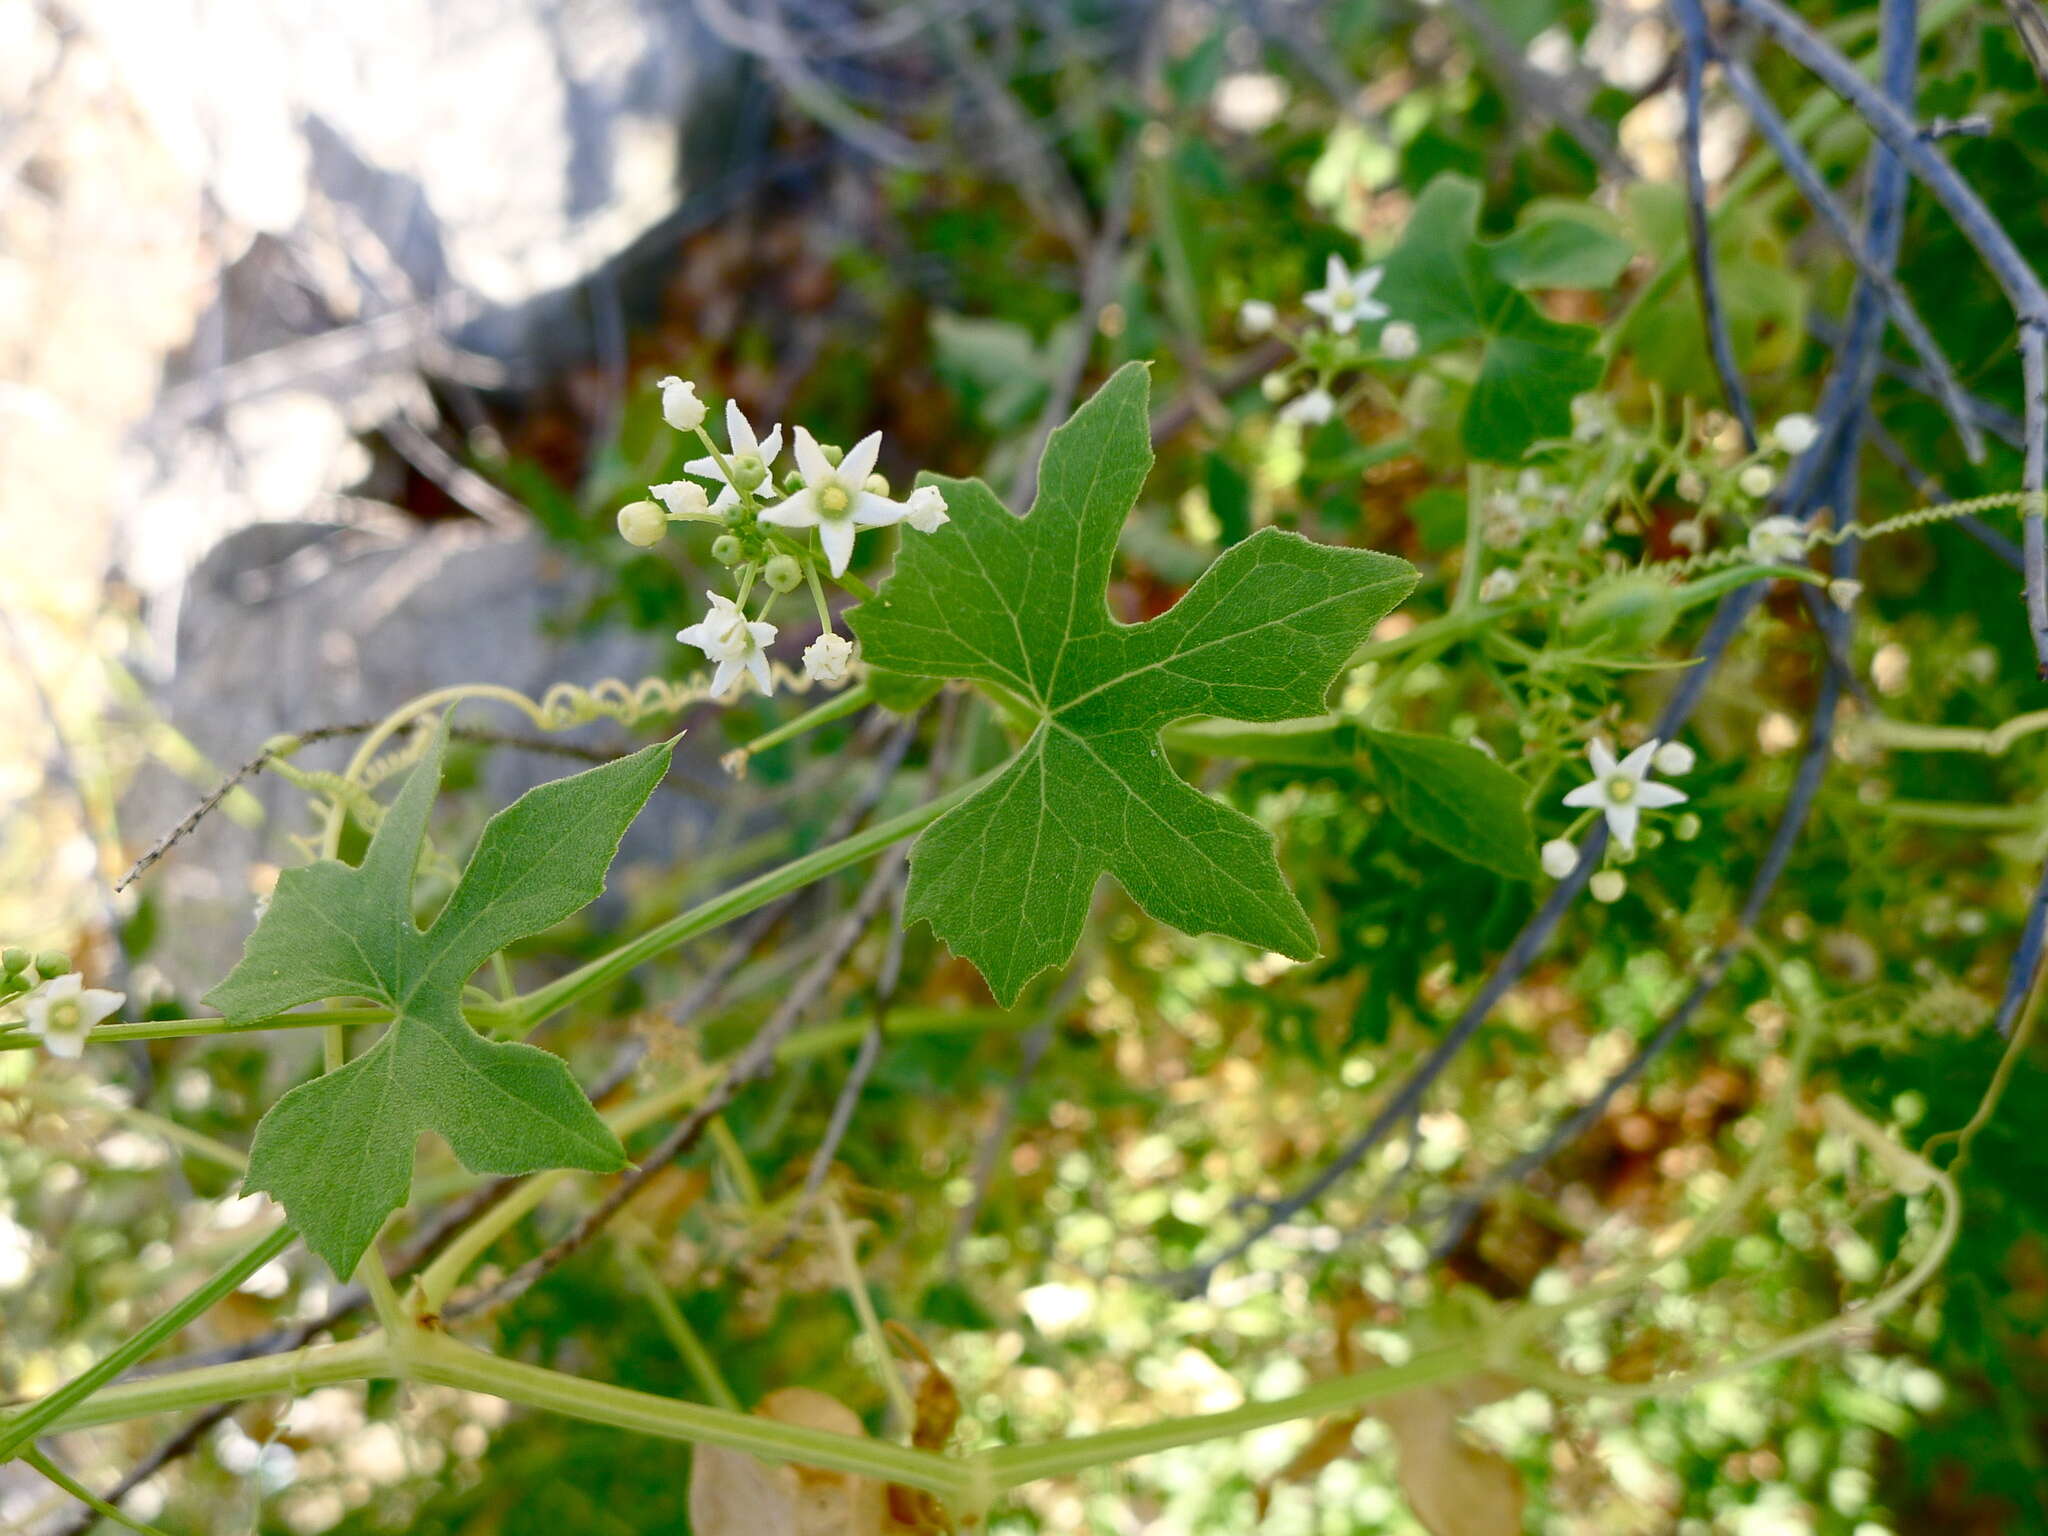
<point x="1621" y="789"/>
<point x="65" y="1016"/>
<point x="1344" y="298"/>
<point x="833" y="501"/>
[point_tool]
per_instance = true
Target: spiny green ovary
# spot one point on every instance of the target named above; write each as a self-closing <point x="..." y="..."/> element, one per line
<point x="1021" y="603"/>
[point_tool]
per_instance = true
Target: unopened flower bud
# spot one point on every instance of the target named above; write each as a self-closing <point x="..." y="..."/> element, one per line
<point x="1844" y="591"/>
<point x="1255" y="317"/>
<point x="680" y="407"/>
<point x="1274" y="386"/>
<point x="876" y="485"/>
<point x="1399" y="340"/>
<point x="1674" y="757"/>
<point x="683" y="498"/>
<point x="13" y="959"/>
<point x="1755" y="481"/>
<point x="833" y="453"/>
<point x="1559" y="857"/>
<point x="642" y="524"/>
<point x="1796" y="433"/>
<point x="827" y="658"/>
<point x="783" y="573"/>
<point x="1686" y="828"/>
<point x="926" y="509"/>
<point x="52" y="962"/>
<point x="1608" y="886"/>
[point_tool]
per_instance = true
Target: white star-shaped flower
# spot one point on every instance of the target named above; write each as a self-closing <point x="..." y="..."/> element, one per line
<point x="62" y="1011"/>
<point x="827" y="658"/>
<point x="742" y="444"/>
<point x="728" y="637"/>
<point x="1622" y="791"/>
<point x="835" y="499"/>
<point x="926" y="509"/>
<point x="1344" y="300"/>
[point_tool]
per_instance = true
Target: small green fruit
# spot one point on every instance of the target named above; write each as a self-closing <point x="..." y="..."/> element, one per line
<point x="784" y="573"/>
<point x="726" y="549"/>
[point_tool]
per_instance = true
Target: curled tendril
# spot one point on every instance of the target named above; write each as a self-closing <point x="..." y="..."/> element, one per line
<point x="1940" y="512"/>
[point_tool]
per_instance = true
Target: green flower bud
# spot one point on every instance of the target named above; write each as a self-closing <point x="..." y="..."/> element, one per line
<point x="13" y="959"/>
<point x="833" y="453"/>
<point x="52" y="962"/>
<point x="642" y="524"/>
<point x="783" y="573"/>
<point x="726" y="549"/>
<point x="792" y="482"/>
<point x="747" y="471"/>
<point x="877" y="485"/>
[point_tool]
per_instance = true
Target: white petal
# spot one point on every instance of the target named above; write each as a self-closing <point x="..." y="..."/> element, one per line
<point x="95" y="1003"/>
<point x="837" y="538"/>
<point x="1344" y="321"/>
<point x="722" y="679"/>
<point x="1621" y="821"/>
<point x="810" y="459"/>
<point x="799" y="511"/>
<point x="1594" y="793"/>
<point x="70" y="1044"/>
<point x="1336" y="276"/>
<point x="872" y="511"/>
<point x="1362" y="286"/>
<point x="1601" y="756"/>
<point x="697" y="635"/>
<point x="1652" y="796"/>
<point x="1637" y="763"/>
<point x="738" y="430"/>
<point x="757" y="664"/>
<point x="1370" y="309"/>
<point x="1321" y="303"/>
<point x="771" y="445"/>
<point x="762" y="631"/>
<point x="859" y="461"/>
<point x="705" y="469"/>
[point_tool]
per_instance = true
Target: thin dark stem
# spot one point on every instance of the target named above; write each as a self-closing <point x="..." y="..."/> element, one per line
<point x="989" y="1154"/>
<point x="210" y="802"/>
<point x="1098" y="279"/>
<point x="1813" y="186"/>
<point x="1696" y="48"/>
<point x="1896" y="129"/>
<point x="2026" y="960"/>
<point x="754" y="1061"/>
<point x="856" y="1083"/>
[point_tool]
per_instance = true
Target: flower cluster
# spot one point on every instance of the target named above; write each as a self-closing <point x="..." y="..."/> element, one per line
<point x="775" y="534"/>
<point x="1344" y="303"/>
<point x="1620" y="790"/>
<point x="57" y="1007"/>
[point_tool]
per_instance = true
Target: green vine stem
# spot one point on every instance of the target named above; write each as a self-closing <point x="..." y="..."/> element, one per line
<point x="18" y="1429"/>
<point x="536" y="1006"/>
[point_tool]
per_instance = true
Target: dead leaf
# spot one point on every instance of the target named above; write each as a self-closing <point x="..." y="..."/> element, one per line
<point x="735" y="1494"/>
<point x="1454" y="1486"/>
